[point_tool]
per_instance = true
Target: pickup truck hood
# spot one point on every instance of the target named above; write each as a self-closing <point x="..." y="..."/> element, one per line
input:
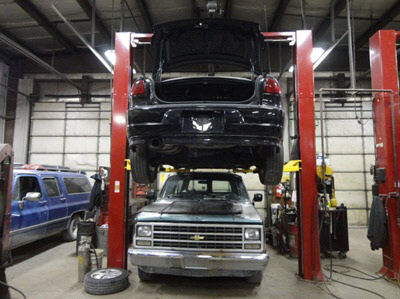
<point x="222" y="41"/>
<point x="200" y="211"/>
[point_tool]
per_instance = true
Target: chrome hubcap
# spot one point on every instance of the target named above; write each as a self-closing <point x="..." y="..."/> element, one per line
<point x="105" y="273"/>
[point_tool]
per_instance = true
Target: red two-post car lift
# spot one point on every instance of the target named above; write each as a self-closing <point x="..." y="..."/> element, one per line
<point x="125" y="43"/>
<point x="384" y="75"/>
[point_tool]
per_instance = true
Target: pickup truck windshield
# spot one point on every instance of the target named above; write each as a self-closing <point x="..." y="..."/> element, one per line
<point x="206" y="188"/>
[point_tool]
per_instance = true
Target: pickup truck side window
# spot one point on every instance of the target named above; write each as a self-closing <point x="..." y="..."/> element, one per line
<point x="77" y="185"/>
<point x="51" y="187"/>
<point x="25" y="184"/>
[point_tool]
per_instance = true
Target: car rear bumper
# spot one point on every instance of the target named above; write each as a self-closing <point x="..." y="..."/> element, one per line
<point x="225" y="124"/>
<point x="151" y="260"/>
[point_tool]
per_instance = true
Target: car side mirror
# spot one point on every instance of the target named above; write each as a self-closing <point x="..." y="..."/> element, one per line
<point x="151" y="195"/>
<point x="258" y="197"/>
<point x="33" y="196"/>
<point x="21" y="204"/>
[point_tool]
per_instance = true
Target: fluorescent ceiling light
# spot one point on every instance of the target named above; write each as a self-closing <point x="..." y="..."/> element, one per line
<point x="315" y="54"/>
<point x="110" y="55"/>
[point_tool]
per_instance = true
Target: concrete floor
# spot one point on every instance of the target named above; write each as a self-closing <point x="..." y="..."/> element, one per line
<point x="48" y="269"/>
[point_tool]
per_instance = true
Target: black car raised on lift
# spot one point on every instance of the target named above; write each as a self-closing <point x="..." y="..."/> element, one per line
<point x="208" y="121"/>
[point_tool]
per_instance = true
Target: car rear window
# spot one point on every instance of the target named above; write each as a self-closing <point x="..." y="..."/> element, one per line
<point x="77" y="185"/>
<point x="51" y="187"/>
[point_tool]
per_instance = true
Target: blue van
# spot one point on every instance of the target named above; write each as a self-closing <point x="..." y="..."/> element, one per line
<point x="45" y="203"/>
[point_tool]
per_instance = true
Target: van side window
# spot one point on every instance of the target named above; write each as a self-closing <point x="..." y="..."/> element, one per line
<point x="51" y="187"/>
<point x="25" y="184"/>
<point x="77" y="185"/>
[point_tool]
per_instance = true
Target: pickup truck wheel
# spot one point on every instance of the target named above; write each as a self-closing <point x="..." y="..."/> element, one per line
<point x="255" y="278"/>
<point x="271" y="172"/>
<point x="142" y="171"/>
<point x="144" y="276"/>
<point x="71" y="232"/>
<point x="106" y="281"/>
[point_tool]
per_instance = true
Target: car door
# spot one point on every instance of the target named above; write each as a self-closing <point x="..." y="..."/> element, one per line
<point x="56" y="202"/>
<point x="77" y="189"/>
<point x="28" y="218"/>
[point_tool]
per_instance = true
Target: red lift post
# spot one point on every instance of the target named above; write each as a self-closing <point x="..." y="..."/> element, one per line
<point x="384" y="75"/>
<point x="309" y="266"/>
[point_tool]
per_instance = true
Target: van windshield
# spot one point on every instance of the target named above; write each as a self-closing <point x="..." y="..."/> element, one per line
<point x="214" y="188"/>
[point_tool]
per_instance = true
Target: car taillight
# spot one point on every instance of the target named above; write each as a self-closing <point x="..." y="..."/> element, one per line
<point x="138" y="88"/>
<point x="272" y="86"/>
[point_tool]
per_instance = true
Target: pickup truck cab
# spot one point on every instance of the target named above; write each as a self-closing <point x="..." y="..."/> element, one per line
<point x="202" y="224"/>
<point x="45" y="203"/>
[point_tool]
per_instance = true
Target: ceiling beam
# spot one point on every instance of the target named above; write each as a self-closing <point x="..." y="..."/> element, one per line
<point x="87" y="8"/>
<point x="144" y="11"/>
<point x="42" y="20"/>
<point x="340" y="5"/>
<point x="228" y="9"/>
<point x="385" y="19"/>
<point x="14" y="38"/>
<point x="279" y="12"/>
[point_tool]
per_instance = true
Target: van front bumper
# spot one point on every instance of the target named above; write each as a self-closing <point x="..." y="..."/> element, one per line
<point x="151" y="260"/>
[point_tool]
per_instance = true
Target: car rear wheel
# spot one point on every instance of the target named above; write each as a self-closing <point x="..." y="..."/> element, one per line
<point x="270" y="173"/>
<point x="71" y="232"/>
<point x="142" y="171"/>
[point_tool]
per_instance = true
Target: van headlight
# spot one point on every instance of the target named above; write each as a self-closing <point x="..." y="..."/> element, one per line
<point x="144" y="230"/>
<point x="252" y="234"/>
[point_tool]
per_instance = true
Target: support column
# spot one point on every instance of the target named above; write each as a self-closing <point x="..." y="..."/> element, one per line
<point x="384" y="75"/>
<point x="309" y="264"/>
<point x="119" y="201"/>
<point x="22" y="122"/>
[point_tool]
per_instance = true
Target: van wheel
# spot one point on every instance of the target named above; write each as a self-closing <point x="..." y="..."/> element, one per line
<point x="142" y="171"/>
<point x="71" y="232"/>
<point x="144" y="276"/>
<point x="255" y="278"/>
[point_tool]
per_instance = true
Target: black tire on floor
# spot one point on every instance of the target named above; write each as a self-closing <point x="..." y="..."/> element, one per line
<point x="144" y="276"/>
<point x="255" y="278"/>
<point x="106" y="281"/>
<point x="71" y="232"/>
<point x="270" y="173"/>
<point x="142" y="171"/>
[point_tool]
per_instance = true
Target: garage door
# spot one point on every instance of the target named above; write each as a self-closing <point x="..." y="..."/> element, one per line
<point x="70" y="134"/>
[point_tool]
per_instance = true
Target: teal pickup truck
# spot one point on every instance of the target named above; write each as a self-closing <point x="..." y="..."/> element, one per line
<point x="202" y="224"/>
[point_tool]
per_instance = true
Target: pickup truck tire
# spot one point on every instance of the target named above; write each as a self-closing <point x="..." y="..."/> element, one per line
<point x="106" y="281"/>
<point x="142" y="171"/>
<point x="144" y="276"/>
<point x="255" y="278"/>
<point x="270" y="173"/>
<point x="71" y="232"/>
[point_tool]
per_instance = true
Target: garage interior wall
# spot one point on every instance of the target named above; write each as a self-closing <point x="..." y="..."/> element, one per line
<point x="4" y="71"/>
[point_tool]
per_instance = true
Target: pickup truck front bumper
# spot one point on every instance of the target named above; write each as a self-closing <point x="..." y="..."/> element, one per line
<point x="198" y="263"/>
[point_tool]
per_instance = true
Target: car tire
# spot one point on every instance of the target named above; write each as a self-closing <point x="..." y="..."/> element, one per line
<point x="142" y="171"/>
<point x="144" y="276"/>
<point x="255" y="278"/>
<point x="106" y="281"/>
<point x="270" y="173"/>
<point x="71" y="232"/>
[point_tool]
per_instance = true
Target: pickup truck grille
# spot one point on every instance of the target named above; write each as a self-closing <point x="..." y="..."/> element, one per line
<point x="205" y="237"/>
<point x="197" y="237"/>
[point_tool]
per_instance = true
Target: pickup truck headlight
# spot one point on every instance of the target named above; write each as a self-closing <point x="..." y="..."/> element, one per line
<point x="252" y="234"/>
<point x="144" y="231"/>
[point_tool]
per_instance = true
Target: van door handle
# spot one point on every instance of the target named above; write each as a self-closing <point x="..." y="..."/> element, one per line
<point x="62" y="198"/>
<point x="43" y="202"/>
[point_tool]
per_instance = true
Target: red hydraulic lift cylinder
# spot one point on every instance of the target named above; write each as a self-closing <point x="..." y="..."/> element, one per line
<point x="384" y="75"/>
<point x="309" y="263"/>
<point x="119" y="201"/>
